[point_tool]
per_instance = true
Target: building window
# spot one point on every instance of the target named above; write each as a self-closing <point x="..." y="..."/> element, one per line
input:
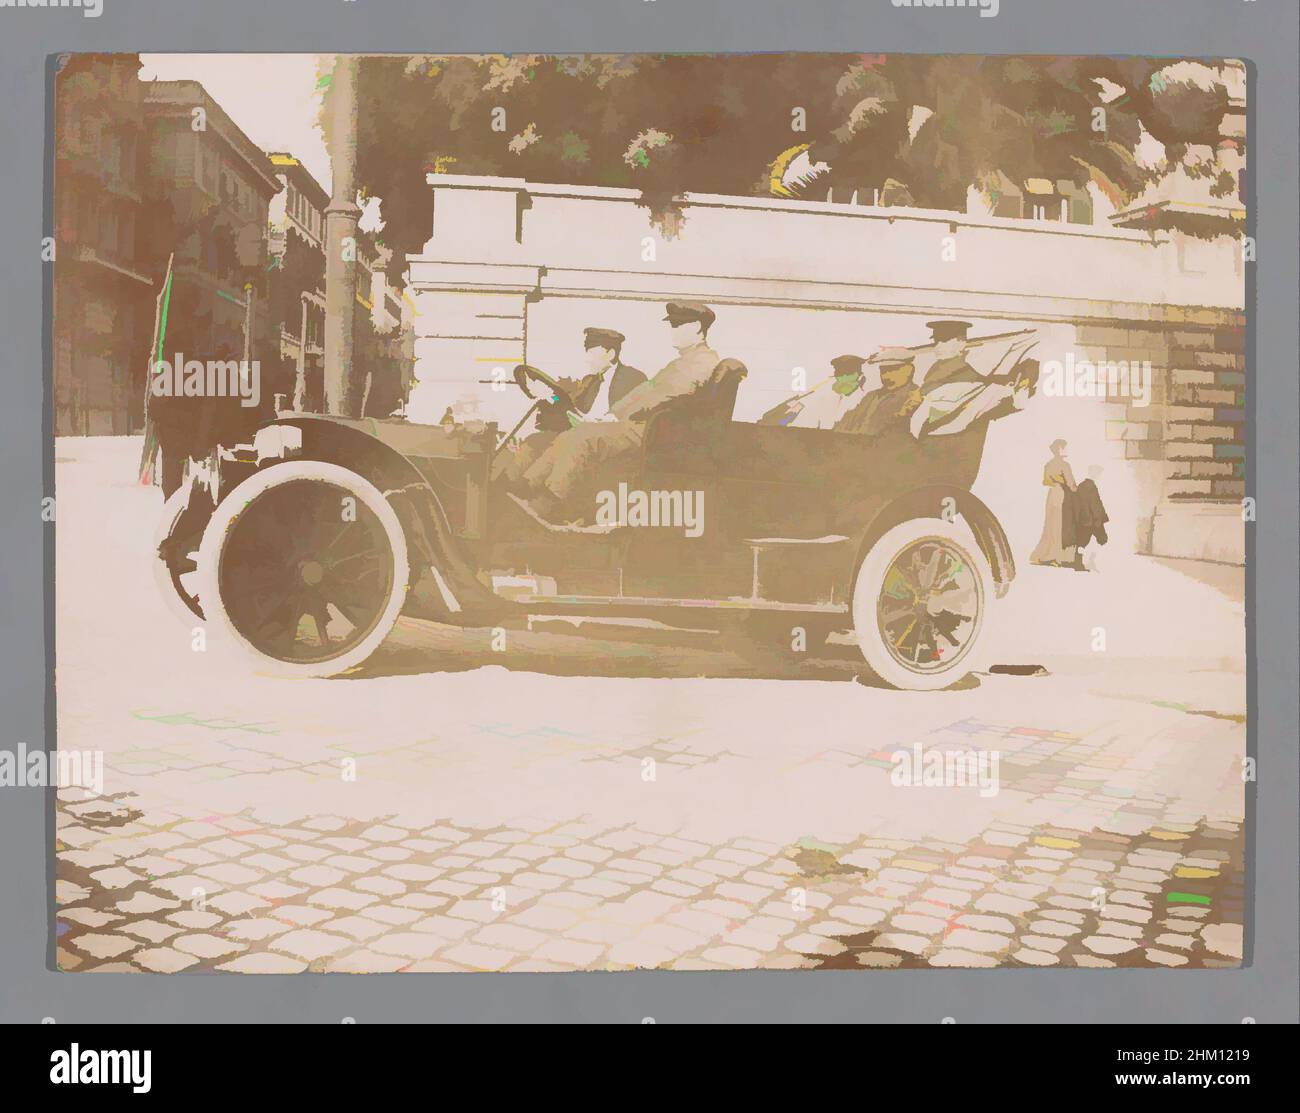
<point x="211" y="171"/>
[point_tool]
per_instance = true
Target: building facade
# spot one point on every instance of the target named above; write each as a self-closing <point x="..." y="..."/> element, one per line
<point x="296" y="266"/>
<point x="209" y="190"/>
<point x="104" y="276"/>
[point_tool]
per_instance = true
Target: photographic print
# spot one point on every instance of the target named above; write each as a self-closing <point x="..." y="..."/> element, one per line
<point x="649" y="511"/>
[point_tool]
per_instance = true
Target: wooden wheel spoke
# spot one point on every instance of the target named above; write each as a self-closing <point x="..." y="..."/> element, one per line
<point x="320" y="617"/>
<point x="289" y="567"/>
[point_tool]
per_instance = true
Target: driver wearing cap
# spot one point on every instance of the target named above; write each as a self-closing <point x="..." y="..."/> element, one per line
<point x="592" y="397"/>
<point x="559" y="469"/>
<point x="596" y="393"/>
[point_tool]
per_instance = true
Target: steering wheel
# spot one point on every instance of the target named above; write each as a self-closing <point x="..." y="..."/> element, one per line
<point x="524" y="373"/>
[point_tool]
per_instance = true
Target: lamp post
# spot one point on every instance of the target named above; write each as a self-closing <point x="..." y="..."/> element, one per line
<point x="341" y="219"/>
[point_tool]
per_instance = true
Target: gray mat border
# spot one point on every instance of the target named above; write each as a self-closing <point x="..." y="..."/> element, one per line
<point x="1262" y="32"/>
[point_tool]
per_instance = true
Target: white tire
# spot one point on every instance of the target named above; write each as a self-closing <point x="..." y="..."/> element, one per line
<point x="175" y="589"/>
<point x="264" y="555"/>
<point x="921" y="599"/>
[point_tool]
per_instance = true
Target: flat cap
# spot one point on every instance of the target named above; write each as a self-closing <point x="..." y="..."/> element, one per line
<point x="894" y="356"/>
<point x="680" y="312"/>
<point x="602" y="338"/>
<point x="847" y="365"/>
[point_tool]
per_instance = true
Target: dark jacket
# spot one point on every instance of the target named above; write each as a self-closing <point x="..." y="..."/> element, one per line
<point x="879" y="411"/>
<point x="1082" y="516"/>
<point x="553" y="418"/>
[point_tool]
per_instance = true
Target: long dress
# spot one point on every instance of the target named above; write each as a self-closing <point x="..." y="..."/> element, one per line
<point x="1056" y="478"/>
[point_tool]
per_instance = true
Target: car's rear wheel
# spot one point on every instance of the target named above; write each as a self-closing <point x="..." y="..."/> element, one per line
<point x="920" y="603"/>
<point x="305" y="566"/>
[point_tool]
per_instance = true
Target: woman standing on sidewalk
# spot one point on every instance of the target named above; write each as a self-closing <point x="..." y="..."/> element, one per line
<point x="1057" y="478"/>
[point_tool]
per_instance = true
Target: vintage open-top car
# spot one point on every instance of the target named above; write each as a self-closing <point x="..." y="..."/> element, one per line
<point x="305" y="547"/>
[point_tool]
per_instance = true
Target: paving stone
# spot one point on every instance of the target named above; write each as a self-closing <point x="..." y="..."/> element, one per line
<point x="116" y="877"/>
<point x="447" y="927"/>
<point x="263" y="962"/>
<point x="482" y="911"/>
<point x="1223" y="939"/>
<point x="349" y="863"/>
<point x="858" y="916"/>
<point x="102" y="946"/>
<point x="1108" y="944"/>
<point x="596" y="886"/>
<point x="955" y="956"/>
<point x="833" y="928"/>
<point x="477" y="957"/>
<point x="389" y="853"/>
<point x="1032" y="957"/>
<point x="88" y="917"/>
<point x="1113" y="927"/>
<point x="237" y="904"/>
<point x="1043" y="943"/>
<point x="194" y="919"/>
<point x="387" y="914"/>
<point x="733" y="957"/>
<point x="878" y="960"/>
<point x="163" y="960"/>
<point x="1165" y="958"/>
<point x="1053" y="927"/>
<point x="370" y="962"/>
<point x="818" y="945"/>
<point x="151" y="865"/>
<point x="206" y="946"/>
<point x="151" y="930"/>
<point x="256" y="929"/>
<point x="308" y="944"/>
<point x="639" y="954"/>
<point x="301" y="914"/>
<point x="566" y="867"/>
<point x="382" y="833"/>
<point x="356" y="927"/>
<point x="1007" y="905"/>
<point x="342" y="899"/>
<point x="276" y="890"/>
<point x="569" y="953"/>
<point x="543" y="918"/>
<point x="983" y="942"/>
<point x="409" y="871"/>
<point x="381" y="886"/>
<point x="270" y="863"/>
<point x="997" y="924"/>
<point x="510" y="937"/>
<point x="318" y="875"/>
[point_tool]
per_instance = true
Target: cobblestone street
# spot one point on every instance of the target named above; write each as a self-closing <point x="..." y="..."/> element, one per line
<point x="448" y="808"/>
<point x="246" y="894"/>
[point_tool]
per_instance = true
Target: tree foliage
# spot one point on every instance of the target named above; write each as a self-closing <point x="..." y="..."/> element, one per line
<point x="921" y="129"/>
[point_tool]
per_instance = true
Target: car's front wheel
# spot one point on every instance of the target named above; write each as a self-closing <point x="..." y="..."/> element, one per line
<point x="305" y="566"/>
<point x="920" y="603"/>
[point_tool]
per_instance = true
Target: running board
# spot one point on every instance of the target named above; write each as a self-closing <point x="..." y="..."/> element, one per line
<point x="610" y="602"/>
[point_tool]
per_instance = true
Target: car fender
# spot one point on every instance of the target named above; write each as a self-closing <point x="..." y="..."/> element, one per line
<point x="319" y="438"/>
<point x="939" y="500"/>
<point x="451" y="590"/>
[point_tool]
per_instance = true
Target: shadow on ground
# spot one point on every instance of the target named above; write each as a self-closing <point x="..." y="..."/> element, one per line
<point x="559" y="648"/>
